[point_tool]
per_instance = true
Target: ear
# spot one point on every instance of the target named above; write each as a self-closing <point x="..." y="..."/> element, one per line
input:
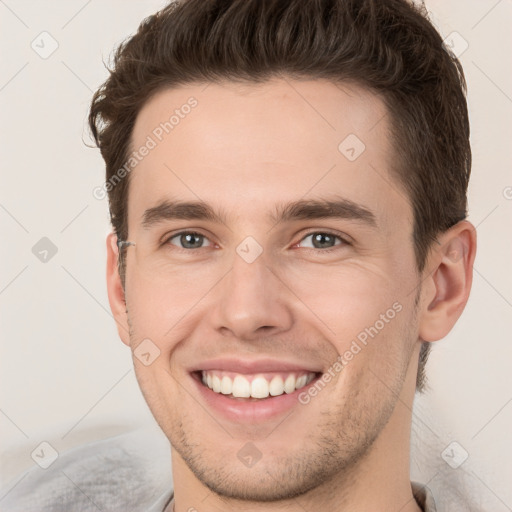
<point x="115" y="290"/>
<point x="446" y="288"/>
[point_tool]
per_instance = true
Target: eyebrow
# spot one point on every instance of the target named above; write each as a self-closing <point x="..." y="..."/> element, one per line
<point x="305" y="209"/>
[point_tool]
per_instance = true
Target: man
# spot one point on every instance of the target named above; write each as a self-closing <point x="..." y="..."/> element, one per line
<point x="287" y="184"/>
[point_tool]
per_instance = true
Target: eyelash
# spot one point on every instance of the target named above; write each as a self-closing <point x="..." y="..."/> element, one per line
<point x="328" y="250"/>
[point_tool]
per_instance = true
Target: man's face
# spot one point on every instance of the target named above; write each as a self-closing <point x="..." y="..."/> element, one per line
<point x="257" y="295"/>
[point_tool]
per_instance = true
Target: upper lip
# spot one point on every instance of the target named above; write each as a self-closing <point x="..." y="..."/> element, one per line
<point x="252" y="366"/>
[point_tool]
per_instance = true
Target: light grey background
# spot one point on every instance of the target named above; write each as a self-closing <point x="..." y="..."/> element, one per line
<point x="66" y="378"/>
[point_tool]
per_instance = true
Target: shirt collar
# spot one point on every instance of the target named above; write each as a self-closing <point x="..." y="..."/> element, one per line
<point x="423" y="496"/>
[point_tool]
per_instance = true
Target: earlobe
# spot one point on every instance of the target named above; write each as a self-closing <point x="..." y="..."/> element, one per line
<point x="448" y="284"/>
<point x="116" y="295"/>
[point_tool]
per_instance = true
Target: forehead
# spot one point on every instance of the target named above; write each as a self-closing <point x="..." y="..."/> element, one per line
<point x="244" y="148"/>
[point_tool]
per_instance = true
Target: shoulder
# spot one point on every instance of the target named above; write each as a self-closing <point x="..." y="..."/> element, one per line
<point x="126" y="472"/>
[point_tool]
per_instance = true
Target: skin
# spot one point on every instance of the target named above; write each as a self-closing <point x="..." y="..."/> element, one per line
<point x="244" y="149"/>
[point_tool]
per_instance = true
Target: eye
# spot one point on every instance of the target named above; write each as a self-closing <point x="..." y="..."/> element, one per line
<point x="189" y="240"/>
<point x="323" y="240"/>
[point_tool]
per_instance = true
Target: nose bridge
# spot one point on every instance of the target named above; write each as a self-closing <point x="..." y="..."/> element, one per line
<point x="251" y="297"/>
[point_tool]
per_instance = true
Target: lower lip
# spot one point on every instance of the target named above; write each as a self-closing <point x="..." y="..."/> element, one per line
<point x="248" y="410"/>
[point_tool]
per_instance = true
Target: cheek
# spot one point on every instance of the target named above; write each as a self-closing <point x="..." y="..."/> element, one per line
<point x="350" y="299"/>
<point x="162" y="308"/>
<point x="366" y="315"/>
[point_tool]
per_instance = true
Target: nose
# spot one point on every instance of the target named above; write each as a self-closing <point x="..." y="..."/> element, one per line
<point x="252" y="302"/>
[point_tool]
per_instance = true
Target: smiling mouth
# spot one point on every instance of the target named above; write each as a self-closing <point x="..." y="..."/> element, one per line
<point x="254" y="387"/>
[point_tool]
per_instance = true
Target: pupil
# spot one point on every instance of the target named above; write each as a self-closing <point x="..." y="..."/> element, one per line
<point x="189" y="238"/>
<point x="322" y="238"/>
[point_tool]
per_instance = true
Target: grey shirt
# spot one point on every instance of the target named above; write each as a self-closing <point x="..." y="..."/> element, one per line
<point x="126" y="472"/>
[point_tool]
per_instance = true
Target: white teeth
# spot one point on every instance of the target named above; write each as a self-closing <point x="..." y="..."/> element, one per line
<point x="241" y="387"/>
<point x="301" y="382"/>
<point x="289" y="384"/>
<point x="259" y="387"/>
<point x="226" y="385"/>
<point x="216" y="384"/>
<point x="276" y="386"/>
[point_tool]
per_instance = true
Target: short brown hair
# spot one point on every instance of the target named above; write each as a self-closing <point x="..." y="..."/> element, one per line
<point x="388" y="46"/>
